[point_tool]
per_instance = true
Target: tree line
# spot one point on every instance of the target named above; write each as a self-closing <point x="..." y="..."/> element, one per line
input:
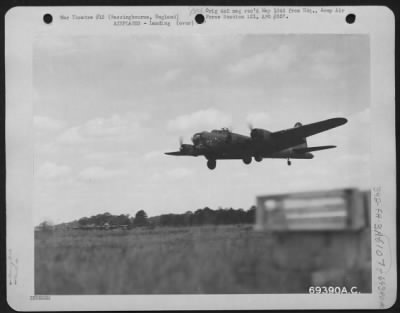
<point x="204" y="216"/>
<point x="207" y="216"/>
<point x="140" y="219"/>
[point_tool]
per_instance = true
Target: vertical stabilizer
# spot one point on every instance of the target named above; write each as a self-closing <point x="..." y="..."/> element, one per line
<point x="304" y="140"/>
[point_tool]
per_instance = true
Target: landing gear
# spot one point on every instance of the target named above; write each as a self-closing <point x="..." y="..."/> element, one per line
<point x="247" y="160"/>
<point x="258" y="158"/>
<point x="288" y="162"/>
<point x="211" y="164"/>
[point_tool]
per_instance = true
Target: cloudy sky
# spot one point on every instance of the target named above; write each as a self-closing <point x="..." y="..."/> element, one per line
<point x="106" y="108"/>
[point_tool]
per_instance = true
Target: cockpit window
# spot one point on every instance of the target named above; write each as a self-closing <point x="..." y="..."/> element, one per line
<point x="196" y="138"/>
<point x="222" y="130"/>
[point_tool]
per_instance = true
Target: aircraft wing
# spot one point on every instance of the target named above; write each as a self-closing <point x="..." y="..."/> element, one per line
<point x="309" y="129"/>
<point x="311" y="149"/>
<point x="177" y="153"/>
<point x="185" y="149"/>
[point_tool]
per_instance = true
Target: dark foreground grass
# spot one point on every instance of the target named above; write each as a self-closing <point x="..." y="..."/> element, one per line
<point x="208" y="259"/>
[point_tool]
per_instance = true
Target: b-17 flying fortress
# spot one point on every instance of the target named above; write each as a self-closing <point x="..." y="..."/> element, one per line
<point x="261" y="144"/>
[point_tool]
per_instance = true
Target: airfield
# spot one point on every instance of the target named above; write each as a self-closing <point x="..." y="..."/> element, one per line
<point x="228" y="259"/>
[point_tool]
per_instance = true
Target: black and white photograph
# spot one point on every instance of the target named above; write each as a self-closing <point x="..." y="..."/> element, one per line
<point x="128" y="218"/>
<point x="202" y="163"/>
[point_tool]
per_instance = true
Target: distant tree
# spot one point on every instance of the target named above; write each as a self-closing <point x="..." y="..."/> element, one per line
<point x="219" y="216"/>
<point x="177" y="219"/>
<point x="141" y="219"/>
<point x="164" y="220"/>
<point x="209" y="216"/>
<point x="83" y="221"/>
<point x="154" y="220"/>
<point x="203" y="216"/>
<point x="187" y="218"/>
<point x="121" y="219"/>
<point x="198" y="217"/>
<point x="131" y="222"/>
<point x="171" y="220"/>
<point x="251" y="215"/>
<point x="46" y="225"/>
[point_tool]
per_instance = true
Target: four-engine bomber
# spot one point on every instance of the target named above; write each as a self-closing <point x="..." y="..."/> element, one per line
<point x="285" y="144"/>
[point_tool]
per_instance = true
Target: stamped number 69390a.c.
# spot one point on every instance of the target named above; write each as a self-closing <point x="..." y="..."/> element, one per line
<point x="332" y="289"/>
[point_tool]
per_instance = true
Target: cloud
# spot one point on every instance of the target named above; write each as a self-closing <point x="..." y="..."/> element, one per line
<point x="208" y="118"/>
<point x="108" y="156"/>
<point x="172" y="174"/>
<point x="362" y="117"/>
<point x="258" y="119"/>
<point x="98" y="173"/>
<point x="359" y="125"/>
<point x="213" y="47"/>
<point x="325" y="64"/>
<point x="157" y="49"/>
<point x="45" y="123"/>
<point x="105" y="127"/>
<point x="355" y="158"/>
<point x="277" y="60"/>
<point x="200" y="79"/>
<point x="179" y="172"/>
<point x="71" y="136"/>
<point x="359" y="128"/>
<point x="179" y="50"/>
<point x="155" y="154"/>
<point x="52" y="171"/>
<point x="353" y="139"/>
<point x="116" y="127"/>
<point x="325" y="71"/>
<point x="171" y="75"/>
<point x="55" y="46"/>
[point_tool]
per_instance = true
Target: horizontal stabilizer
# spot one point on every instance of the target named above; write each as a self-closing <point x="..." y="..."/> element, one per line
<point x="288" y="155"/>
<point x="311" y="149"/>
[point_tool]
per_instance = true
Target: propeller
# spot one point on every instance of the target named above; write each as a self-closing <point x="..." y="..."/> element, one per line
<point x="180" y="142"/>
<point x="186" y="148"/>
<point x="252" y="129"/>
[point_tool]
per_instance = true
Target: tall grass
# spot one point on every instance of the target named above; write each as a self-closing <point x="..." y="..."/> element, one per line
<point x="207" y="259"/>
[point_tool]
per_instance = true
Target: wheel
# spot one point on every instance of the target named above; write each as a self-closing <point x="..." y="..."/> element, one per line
<point x="211" y="164"/>
<point x="288" y="162"/>
<point x="258" y="158"/>
<point x="247" y="160"/>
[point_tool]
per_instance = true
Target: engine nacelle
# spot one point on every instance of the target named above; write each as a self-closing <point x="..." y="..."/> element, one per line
<point x="188" y="149"/>
<point x="259" y="134"/>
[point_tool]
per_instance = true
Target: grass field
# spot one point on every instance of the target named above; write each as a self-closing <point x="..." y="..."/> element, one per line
<point x="206" y="259"/>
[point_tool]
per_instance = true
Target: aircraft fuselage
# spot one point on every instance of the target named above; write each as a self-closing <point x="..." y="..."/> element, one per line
<point x="287" y="144"/>
<point x="223" y="144"/>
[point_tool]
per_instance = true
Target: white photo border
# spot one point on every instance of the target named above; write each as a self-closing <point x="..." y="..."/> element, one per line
<point x="23" y="24"/>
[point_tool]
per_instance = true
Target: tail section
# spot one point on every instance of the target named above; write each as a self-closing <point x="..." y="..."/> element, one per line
<point x="304" y="140"/>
